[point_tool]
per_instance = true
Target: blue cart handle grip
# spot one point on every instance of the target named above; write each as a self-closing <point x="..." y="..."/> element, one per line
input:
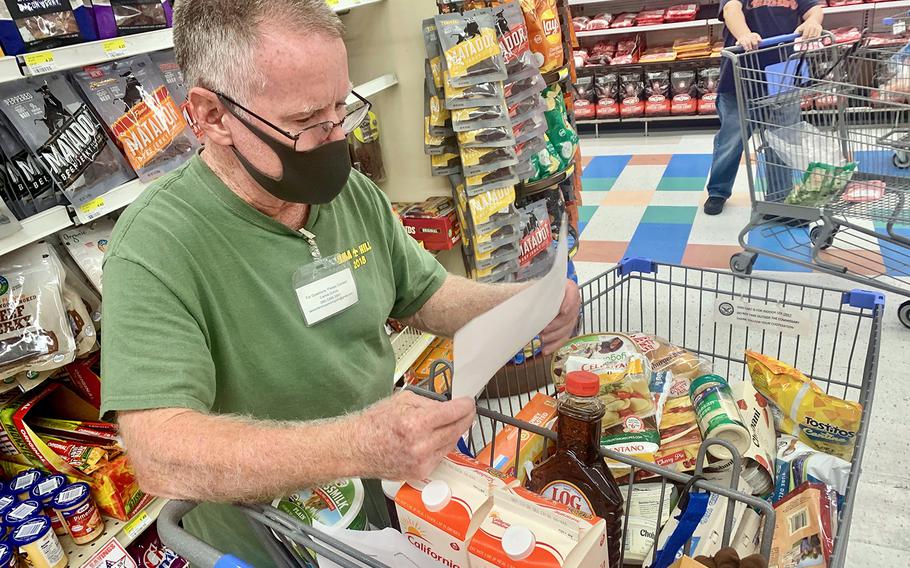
<point x="230" y="561"/>
<point x="776" y="40"/>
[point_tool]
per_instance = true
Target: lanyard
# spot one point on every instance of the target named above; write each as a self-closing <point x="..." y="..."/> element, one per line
<point x="311" y="240"/>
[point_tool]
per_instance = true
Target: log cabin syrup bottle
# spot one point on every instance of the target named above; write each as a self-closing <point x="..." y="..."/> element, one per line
<point x="576" y="475"/>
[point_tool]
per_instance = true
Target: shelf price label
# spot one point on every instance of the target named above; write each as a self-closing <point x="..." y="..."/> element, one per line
<point x="40" y="62"/>
<point x="139" y="523"/>
<point x="114" y="48"/>
<point x="93" y="209"/>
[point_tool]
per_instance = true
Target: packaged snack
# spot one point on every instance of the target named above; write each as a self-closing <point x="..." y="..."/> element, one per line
<point x="173" y="78"/>
<point x="495" y="257"/>
<point x="31" y="190"/>
<point x="525" y="529"/>
<point x="471" y="50"/>
<point x="484" y="205"/>
<point x="438" y="115"/>
<point x="625" y="20"/>
<point x="683" y="90"/>
<point x="80" y="322"/>
<point x="124" y="17"/>
<point x="366" y="148"/>
<point x="501" y="452"/>
<point x="35" y="334"/>
<point x="446" y="163"/>
<point x="632" y="88"/>
<point x="466" y="119"/>
<point x="499" y="273"/>
<point x="546" y="162"/>
<point x="537" y="233"/>
<point x="439" y="515"/>
<point x="130" y="95"/>
<point x="503" y="178"/>
<point x="149" y="552"/>
<point x="527" y="109"/>
<point x="824" y="422"/>
<point x="657" y="90"/>
<point x="560" y="131"/>
<point x="530" y="130"/>
<point x="482" y="94"/>
<point x="435" y="61"/>
<point x="584" y="89"/>
<point x="512" y="32"/>
<point x="580" y="23"/>
<point x="433" y="222"/>
<point x="33" y="26"/>
<point x="544" y="33"/>
<point x="87" y="244"/>
<point x="486" y="242"/>
<point x="820" y="183"/>
<point x="797" y="463"/>
<point x="522" y="89"/>
<point x="864" y="191"/>
<point x="66" y="137"/>
<point x="803" y="534"/>
<point x="435" y="145"/>
<point x="708" y="79"/>
<point x="681" y="13"/>
<point x="644" y="511"/>
<point x="707" y="104"/>
<point x="490" y="137"/>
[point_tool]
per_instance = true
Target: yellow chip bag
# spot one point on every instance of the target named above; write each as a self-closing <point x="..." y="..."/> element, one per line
<point x="822" y="421"/>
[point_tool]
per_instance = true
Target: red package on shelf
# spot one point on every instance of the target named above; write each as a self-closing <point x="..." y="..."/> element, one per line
<point x="580" y="23"/>
<point x="683" y="104"/>
<point x="604" y="47"/>
<point x="632" y="106"/>
<point x="707" y="104"/>
<point x="607" y="108"/>
<point x="627" y="45"/>
<point x="847" y="34"/>
<point x="650" y="17"/>
<point x="624" y="59"/>
<point x="600" y="22"/>
<point x="585" y="109"/>
<point x="626" y="20"/>
<point x="681" y="13"/>
<point x="657" y="105"/>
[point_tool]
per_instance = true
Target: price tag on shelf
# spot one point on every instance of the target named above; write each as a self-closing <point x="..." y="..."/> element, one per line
<point x="114" y="48"/>
<point x="40" y="63"/>
<point x="137" y="524"/>
<point x="92" y="209"/>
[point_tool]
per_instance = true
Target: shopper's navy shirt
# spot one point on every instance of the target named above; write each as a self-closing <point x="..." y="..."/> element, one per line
<point x="767" y="18"/>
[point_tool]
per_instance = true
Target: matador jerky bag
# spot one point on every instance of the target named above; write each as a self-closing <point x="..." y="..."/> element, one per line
<point x="33" y="25"/>
<point x="130" y="96"/>
<point x="470" y="48"/>
<point x="65" y="136"/>
<point x="35" y="334"/>
<point x="176" y="85"/>
<point x="513" y="42"/>
<point x="124" y="17"/>
<point x="29" y="186"/>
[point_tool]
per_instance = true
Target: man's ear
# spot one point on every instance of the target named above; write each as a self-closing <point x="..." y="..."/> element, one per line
<point x="209" y="114"/>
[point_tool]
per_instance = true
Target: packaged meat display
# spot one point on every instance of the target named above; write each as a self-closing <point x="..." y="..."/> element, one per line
<point x="33" y="26"/>
<point x="657" y="89"/>
<point x="847" y="34"/>
<point x="650" y="17"/>
<point x="470" y="47"/>
<point x="521" y="62"/>
<point x="626" y="20"/>
<point x="124" y="17"/>
<point x="657" y="54"/>
<point x="581" y="57"/>
<point x="681" y="13"/>
<point x="632" y="88"/>
<point x="580" y="23"/>
<point x="600" y="22"/>
<point x="683" y="89"/>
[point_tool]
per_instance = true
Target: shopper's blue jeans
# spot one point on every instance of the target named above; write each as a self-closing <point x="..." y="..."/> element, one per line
<point x="728" y="151"/>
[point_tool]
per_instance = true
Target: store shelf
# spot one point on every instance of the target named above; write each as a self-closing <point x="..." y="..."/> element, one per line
<point x="647" y="119"/>
<point x="526" y="189"/>
<point x="408" y="345"/>
<point x="644" y="29"/>
<point x="370" y="88"/>
<point x="80" y="55"/>
<point x="9" y="69"/>
<point x="598" y="69"/>
<point x="36" y="228"/>
<point x="113" y="200"/>
<point x="125" y="533"/>
<point x="345" y="5"/>
<point x="866" y="7"/>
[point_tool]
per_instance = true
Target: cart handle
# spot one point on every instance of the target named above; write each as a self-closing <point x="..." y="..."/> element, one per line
<point x="196" y="552"/>
<point x="777" y="40"/>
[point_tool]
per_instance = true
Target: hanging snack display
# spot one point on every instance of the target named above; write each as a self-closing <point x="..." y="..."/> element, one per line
<point x="66" y="137"/>
<point x="434" y="62"/>
<point x="130" y="95"/>
<point x="366" y="151"/>
<point x="471" y="51"/>
<point x="512" y="32"/>
<point x="124" y="17"/>
<point x="33" y="26"/>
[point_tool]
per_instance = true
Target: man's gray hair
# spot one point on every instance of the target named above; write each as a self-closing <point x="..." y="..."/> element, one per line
<point x="215" y="40"/>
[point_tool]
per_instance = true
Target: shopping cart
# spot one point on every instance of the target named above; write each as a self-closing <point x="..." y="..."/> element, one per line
<point x="827" y="147"/>
<point x="838" y="350"/>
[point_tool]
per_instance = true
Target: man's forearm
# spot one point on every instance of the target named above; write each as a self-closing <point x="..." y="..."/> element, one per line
<point x="459" y="301"/>
<point x="735" y="20"/>
<point x="182" y="454"/>
<point x="816" y="15"/>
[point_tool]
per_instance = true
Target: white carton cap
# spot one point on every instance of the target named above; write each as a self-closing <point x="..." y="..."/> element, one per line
<point x="518" y="542"/>
<point x="391" y="488"/>
<point x="436" y="495"/>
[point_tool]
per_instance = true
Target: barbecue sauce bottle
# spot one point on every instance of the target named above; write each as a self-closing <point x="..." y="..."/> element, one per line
<point x="576" y="474"/>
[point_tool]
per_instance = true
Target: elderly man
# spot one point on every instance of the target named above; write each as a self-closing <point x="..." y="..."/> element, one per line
<point x="245" y="294"/>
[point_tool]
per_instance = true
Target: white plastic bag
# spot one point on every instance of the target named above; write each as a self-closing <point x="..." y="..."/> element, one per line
<point x="800" y="144"/>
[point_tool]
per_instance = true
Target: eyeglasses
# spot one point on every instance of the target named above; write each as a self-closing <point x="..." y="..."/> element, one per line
<point x="305" y="139"/>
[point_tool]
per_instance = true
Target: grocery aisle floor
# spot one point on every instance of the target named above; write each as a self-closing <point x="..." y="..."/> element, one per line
<point x="642" y="196"/>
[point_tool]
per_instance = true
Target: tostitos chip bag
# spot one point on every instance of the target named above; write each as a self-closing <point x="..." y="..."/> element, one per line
<point x="824" y="422"/>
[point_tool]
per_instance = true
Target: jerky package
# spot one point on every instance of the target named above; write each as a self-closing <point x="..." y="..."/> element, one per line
<point x="33" y="25"/>
<point x="513" y="42"/>
<point x="481" y="94"/>
<point x="124" y="17"/>
<point x="30" y="188"/>
<point x="438" y="115"/>
<point x="483" y="160"/>
<point x="466" y="119"/>
<point x="35" y="334"/>
<point x="435" y="145"/>
<point x="491" y="137"/>
<point x="130" y="95"/>
<point x="65" y="136"/>
<point x="176" y="85"/>
<point x="523" y="89"/>
<point x="446" y="163"/>
<point x="499" y="179"/>
<point x="470" y="47"/>
<point x="435" y="61"/>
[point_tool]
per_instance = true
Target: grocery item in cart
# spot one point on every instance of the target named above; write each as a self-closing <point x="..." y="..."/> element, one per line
<point x="864" y="191"/>
<point x="644" y="512"/>
<point x="544" y="33"/>
<point x="439" y="515"/>
<point x="524" y="529"/>
<point x="35" y="334"/>
<point x="33" y="26"/>
<point x="802" y="409"/>
<point x="37" y="544"/>
<point x="797" y="463"/>
<point x="149" y="552"/>
<point x="87" y="244"/>
<point x="471" y="50"/>
<point x="131" y="97"/>
<point x="512" y="32"/>
<point x="803" y="533"/>
<point x="78" y="512"/>
<point x="820" y="183"/>
<point x="718" y="415"/>
<point x="576" y="475"/>
<point x="65" y="136"/>
<point x="501" y="451"/>
<point x="329" y="507"/>
<point x="124" y="17"/>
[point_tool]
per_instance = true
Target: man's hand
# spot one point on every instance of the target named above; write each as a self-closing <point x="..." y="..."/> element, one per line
<point x="406" y="436"/>
<point x="561" y="328"/>
<point x="809" y="29"/>
<point x="749" y="41"/>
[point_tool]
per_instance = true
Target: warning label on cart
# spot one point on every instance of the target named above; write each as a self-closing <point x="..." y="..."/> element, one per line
<point x="111" y="554"/>
<point x="779" y="318"/>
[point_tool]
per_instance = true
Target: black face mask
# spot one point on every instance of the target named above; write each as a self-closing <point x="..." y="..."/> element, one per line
<point x="313" y="177"/>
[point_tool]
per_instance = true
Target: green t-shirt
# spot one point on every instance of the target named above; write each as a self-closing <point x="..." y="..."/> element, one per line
<point x="200" y="312"/>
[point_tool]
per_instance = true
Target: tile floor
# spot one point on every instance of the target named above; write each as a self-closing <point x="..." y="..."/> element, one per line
<point x="641" y="196"/>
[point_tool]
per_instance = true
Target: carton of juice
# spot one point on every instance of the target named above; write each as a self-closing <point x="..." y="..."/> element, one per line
<point x="501" y="452"/>
<point x="439" y="515"/>
<point x="523" y="529"/>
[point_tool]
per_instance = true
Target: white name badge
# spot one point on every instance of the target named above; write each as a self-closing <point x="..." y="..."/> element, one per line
<point x="327" y="296"/>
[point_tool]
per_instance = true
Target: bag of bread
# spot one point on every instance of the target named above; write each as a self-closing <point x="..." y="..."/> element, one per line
<point x="35" y="334"/>
<point x="544" y="33"/>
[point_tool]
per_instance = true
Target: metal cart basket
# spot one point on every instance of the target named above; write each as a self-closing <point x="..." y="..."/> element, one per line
<point x="838" y="349"/>
<point x="826" y="133"/>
